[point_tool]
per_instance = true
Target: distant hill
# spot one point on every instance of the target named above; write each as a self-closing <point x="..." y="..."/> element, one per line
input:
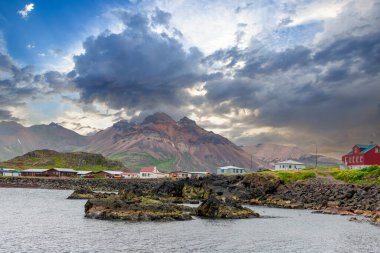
<point x="168" y="144"/>
<point x="54" y="159"/>
<point x="16" y="139"/>
<point x="272" y="153"/>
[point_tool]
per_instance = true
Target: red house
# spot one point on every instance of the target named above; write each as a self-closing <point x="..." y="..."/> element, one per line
<point x="362" y="156"/>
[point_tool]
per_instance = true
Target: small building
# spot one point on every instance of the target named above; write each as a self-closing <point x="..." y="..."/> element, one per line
<point x="179" y="174"/>
<point x="289" y="165"/>
<point x="109" y="174"/>
<point x="151" y="173"/>
<point x="34" y="173"/>
<point x="130" y="174"/>
<point x="4" y="172"/>
<point x="83" y="173"/>
<point x="229" y="170"/>
<point x="61" y="172"/>
<point x="198" y="174"/>
<point x="362" y="156"/>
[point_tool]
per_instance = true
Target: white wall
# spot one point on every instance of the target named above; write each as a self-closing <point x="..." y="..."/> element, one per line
<point x="289" y="167"/>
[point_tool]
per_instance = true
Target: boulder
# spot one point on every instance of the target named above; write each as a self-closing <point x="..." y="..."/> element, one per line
<point x="220" y="208"/>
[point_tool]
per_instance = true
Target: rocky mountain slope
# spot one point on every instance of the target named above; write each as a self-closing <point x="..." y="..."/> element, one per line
<point x="16" y="139"/>
<point x="54" y="159"/>
<point x="272" y="153"/>
<point x="161" y="141"/>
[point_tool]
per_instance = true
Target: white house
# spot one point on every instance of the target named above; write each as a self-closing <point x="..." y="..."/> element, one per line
<point x="152" y="173"/>
<point x="229" y="170"/>
<point x="9" y="172"/>
<point x="289" y="165"/>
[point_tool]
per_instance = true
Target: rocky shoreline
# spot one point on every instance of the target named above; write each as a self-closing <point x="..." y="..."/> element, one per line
<point x="255" y="189"/>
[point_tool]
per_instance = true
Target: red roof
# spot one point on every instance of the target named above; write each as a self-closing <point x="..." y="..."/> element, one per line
<point x="152" y="170"/>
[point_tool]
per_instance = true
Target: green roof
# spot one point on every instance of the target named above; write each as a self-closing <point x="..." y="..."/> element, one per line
<point x="365" y="148"/>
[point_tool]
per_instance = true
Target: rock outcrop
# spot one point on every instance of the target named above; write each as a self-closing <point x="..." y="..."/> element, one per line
<point x="224" y="208"/>
<point x="128" y="206"/>
<point x="86" y="193"/>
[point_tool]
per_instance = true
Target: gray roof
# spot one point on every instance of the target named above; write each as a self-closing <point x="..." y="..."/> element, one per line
<point x="34" y="170"/>
<point x="291" y="162"/>
<point x="113" y="172"/>
<point x="230" y="167"/>
<point x="64" y="170"/>
<point x="83" y="172"/>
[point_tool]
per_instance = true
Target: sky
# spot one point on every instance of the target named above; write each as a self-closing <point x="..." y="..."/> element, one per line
<point x="293" y="72"/>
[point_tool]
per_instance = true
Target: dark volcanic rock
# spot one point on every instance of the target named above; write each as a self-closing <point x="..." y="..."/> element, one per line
<point x="134" y="208"/>
<point x="218" y="208"/>
<point x="86" y="193"/>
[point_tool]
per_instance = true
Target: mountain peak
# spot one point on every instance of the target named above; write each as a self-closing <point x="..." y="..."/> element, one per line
<point x="185" y="121"/>
<point x="53" y="124"/>
<point x="158" y="117"/>
<point x="122" y="125"/>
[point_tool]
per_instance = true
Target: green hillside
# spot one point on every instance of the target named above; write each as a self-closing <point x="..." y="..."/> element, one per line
<point x="135" y="161"/>
<point x="54" y="159"/>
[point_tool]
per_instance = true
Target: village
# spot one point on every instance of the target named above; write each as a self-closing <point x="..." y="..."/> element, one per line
<point x="359" y="157"/>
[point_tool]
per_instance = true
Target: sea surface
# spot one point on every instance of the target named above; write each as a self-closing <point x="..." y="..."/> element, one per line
<point x="36" y="220"/>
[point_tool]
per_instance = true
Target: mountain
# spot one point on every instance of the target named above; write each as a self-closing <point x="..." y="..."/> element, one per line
<point x="163" y="142"/>
<point x="272" y="153"/>
<point x="53" y="159"/>
<point x="16" y="139"/>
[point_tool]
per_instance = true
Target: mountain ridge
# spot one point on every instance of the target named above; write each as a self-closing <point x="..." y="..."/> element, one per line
<point x="158" y="140"/>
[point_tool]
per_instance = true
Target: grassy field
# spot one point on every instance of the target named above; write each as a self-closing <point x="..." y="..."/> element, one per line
<point x="369" y="175"/>
<point x="292" y="176"/>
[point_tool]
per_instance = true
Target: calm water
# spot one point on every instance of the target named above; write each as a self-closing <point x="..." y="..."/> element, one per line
<point x="34" y="220"/>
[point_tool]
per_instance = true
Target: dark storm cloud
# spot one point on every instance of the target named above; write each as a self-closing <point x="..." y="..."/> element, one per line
<point x="331" y="91"/>
<point x="161" y="17"/>
<point x="137" y="68"/>
<point x="19" y="85"/>
<point x="14" y="86"/>
<point x="6" y="115"/>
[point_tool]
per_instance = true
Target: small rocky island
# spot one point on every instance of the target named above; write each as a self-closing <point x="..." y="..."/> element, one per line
<point x="222" y="197"/>
<point x="129" y="206"/>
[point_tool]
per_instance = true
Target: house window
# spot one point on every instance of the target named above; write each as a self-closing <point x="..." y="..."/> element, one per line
<point x="376" y="150"/>
<point x="361" y="159"/>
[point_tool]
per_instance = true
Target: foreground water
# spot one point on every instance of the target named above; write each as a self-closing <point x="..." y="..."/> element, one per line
<point x="35" y="220"/>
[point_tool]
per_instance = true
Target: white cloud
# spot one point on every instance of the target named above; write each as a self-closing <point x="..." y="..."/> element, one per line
<point x="316" y="11"/>
<point x="30" y="46"/>
<point x="27" y="9"/>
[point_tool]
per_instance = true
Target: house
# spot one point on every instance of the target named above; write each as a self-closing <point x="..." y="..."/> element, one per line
<point x="109" y="174"/>
<point x="198" y="174"/>
<point x="179" y="174"/>
<point x="152" y="173"/>
<point x="9" y="172"/>
<point x="130" y="174"/>
<point x="362" y="156"/>
<point x="34" y="173"/>
<point x="229" y="170"/>
<point x="289" y="165"/>
<point x="61" y="172"/>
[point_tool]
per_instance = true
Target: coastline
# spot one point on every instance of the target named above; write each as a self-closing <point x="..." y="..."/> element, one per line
<point x="329" y="198"/>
